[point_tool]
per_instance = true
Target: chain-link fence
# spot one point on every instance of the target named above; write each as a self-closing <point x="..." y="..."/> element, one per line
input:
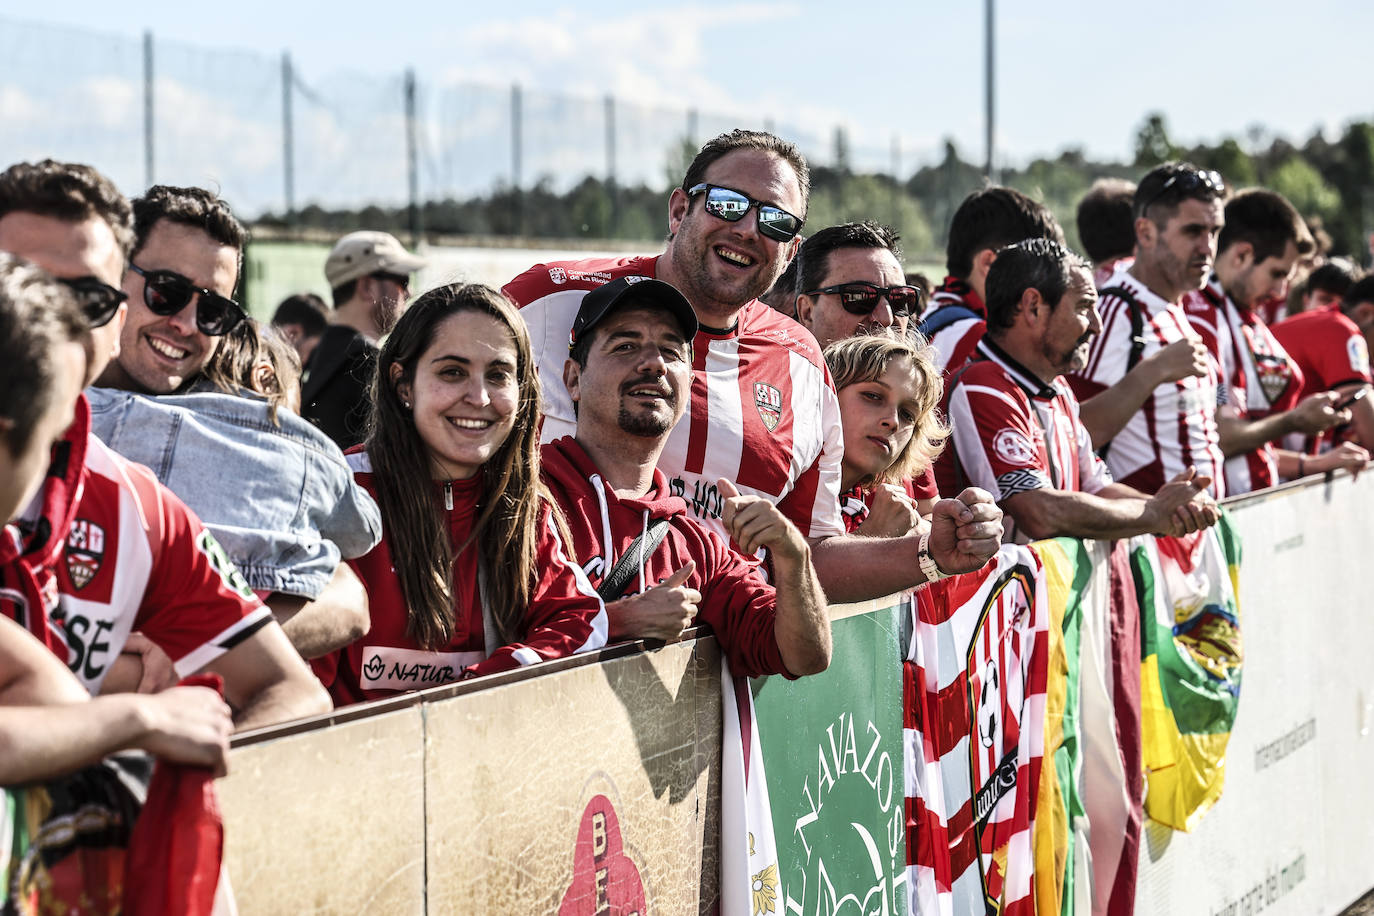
<point x="275" y="141"/>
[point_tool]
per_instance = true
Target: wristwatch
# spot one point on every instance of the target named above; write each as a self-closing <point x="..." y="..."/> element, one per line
<point x="928" y="565"/>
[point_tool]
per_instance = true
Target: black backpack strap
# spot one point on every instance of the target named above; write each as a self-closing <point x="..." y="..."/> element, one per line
<point x="613" y="586"/>
<point x="1137" y="322"/>
<point x="943" y="317"/>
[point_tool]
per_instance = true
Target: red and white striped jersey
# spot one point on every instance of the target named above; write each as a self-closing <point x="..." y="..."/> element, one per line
<point x="137" y="558"/>
<point x="1013" y="433"/>
<point x="1258" y="378"/>
<point x="955" y="341"/>
<point x="975" y="683"/>
<point x="1177" y="426"/>
<point x="762" y="412"/>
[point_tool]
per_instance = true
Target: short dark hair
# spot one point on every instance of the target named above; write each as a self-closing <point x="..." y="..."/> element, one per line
<point x="194" y="207"/>
<point x="67" y="191"/>
<point x="1360" y="291"/>
<point x="813" y="258"/>
<point x="36" y="314"/>
<point x="1267" y="221"/>
<point x="1039" y="264"/>
<point x="1152" y="193"/>
<point x="995" y="217"/>
<point x="750" y="139"/>
<point x="1336" y="277"/>
<point x="305" y="309"/>
<point x="1106" y="219"/>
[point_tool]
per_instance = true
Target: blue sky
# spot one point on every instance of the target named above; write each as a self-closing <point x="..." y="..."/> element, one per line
<point x="1070" y="73"/>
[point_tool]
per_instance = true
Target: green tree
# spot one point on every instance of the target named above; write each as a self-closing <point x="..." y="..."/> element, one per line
<point x="1305" y="188"/>
<point x="1152" y="144"/>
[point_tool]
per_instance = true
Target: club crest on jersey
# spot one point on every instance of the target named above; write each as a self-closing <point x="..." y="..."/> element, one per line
<point x="1274" y="375"/>
<point x="1013" y="447"/>
<point x="85" y="551"/>
<point x="769" y="402"/>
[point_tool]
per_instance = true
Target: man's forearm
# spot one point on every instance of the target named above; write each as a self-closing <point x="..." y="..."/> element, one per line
<point x="1240" y="436"/>
<point x="801" y="624"/>
<point x="852" y="568"/>
<point x="43" y="742"/>
<point x="1107" y="413"/>
<point x="1047" y="513"/>
<point x="282" y="702"/>
<point x="338" y="617"/>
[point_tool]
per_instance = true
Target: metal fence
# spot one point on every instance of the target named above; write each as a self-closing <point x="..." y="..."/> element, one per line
<point x="272" y="139"/>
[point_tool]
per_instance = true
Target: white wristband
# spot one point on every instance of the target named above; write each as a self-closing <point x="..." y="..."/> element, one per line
<point x="928" y="565"/>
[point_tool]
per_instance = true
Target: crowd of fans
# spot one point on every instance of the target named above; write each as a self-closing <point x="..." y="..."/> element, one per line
<point x="390" y="493"/>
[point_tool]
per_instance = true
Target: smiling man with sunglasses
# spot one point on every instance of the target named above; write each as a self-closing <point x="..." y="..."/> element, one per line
<point x="762" y="411"/>
<point x="117" y="552"/>
<point x="188" y="251"/>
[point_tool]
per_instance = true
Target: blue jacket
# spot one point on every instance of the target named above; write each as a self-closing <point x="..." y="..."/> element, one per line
<point x="279" y="499"/>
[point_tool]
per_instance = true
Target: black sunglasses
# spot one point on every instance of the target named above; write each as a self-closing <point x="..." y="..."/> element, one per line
<point x="167" y="292"/>
<point x="860" y="298"/>
<point x="1187" y="181"/>
<point x="99" y="301"/>
<point x="730" y="205"/>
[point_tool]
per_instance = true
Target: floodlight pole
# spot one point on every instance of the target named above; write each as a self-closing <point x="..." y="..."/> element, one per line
<point x="990" y="113"/>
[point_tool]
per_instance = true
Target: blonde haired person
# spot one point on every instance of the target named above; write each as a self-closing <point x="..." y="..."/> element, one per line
<point x="889" y="389"/>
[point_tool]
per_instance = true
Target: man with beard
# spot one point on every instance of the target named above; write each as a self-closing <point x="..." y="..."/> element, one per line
<point x="850" y="280"/>
<point x="369" y="274"/>
<point x="762" y="412"/>
<point x="1160" y="429"/>
<point x="1258" y="250"/>
<point x="1016" y="431"/>
<point x="628" y="375"/>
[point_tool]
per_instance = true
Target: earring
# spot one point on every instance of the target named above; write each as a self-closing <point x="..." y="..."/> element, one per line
<point x="405" y="404"/>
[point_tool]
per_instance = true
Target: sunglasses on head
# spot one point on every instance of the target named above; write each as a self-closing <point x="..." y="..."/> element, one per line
<point x="1187" y="181"/>
<point x="860" y="298"/>
<point x="98" y="301"/>
<point x="167" y="292"/>
<point x="730" y="205"/>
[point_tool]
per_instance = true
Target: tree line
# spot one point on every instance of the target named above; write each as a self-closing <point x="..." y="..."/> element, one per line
<point x="1330" y="181"/>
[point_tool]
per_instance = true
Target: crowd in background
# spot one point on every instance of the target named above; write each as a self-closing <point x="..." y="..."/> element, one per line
<point x="390" y="492"/>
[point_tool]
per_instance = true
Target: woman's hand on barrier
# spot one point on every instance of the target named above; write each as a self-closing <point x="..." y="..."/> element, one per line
<point x="965" y="532"/>
<point x="661" y="612"/>
<point x="891" y="513"/>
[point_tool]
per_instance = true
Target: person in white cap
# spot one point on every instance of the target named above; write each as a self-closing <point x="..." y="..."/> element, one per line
<point x="369" y="273"/>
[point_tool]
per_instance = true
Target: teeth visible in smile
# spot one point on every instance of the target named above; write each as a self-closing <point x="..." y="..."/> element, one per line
<point x="469" y="424"/>
<point x="734" y="257"/>
<point x="167" y="349"/>
<point x="650" y="392"/>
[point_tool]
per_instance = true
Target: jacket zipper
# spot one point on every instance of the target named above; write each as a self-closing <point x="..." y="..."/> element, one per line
<point x="448" y="495"/>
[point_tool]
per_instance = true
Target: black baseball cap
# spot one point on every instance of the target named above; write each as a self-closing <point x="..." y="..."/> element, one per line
<point x="630" y="291"/>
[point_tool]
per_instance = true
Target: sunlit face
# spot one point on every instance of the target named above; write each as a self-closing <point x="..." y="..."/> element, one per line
<point x="719" y="265"/>
<point x="22" y="473"/>
<point x="1071" y="326"/>
<point x="637" y="378"/>
<point x="160" y="354"/>
<point x="1251" y="282"/>
<point x="72" y="250"/>
<point x="1320" y="300"/>
<point x="826" y="317"/>
<point x="1184" y="250"/>
<point x="465" y="393"/>
<point x="880" y="418"/>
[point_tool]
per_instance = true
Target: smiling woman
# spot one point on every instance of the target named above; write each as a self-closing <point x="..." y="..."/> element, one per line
<point x="472" y="575"/>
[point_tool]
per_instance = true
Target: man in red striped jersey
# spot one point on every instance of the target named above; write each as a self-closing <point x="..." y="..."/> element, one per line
<point x="1016" y="431"/>
<point x="986" y="221"/>
<point x="762" y="411"/>
<point x="1158" y="427"/>
<point x="1259" y="246"/>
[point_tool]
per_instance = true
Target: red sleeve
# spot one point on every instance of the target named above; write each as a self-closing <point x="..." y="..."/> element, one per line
<point x="565" y="615"/>
<point x="1330" y="353"/>
<point x="996" y="442"/>
<point x="922" y="486"/>
<point x="739" y="606"/>
<point x="197" y="605"/>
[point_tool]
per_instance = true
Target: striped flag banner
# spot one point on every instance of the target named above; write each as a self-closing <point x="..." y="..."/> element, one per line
<point x="750" y="883"/>
<point x="1192" y="658"/>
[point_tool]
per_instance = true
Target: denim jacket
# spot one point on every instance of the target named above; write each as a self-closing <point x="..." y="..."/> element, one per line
<point x="279" y="499"/>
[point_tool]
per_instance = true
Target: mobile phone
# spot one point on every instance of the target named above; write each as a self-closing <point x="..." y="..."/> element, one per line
<point x="1359" y="393"/>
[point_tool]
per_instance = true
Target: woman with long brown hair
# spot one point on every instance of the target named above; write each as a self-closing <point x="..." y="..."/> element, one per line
<point x="472" y="575"/>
